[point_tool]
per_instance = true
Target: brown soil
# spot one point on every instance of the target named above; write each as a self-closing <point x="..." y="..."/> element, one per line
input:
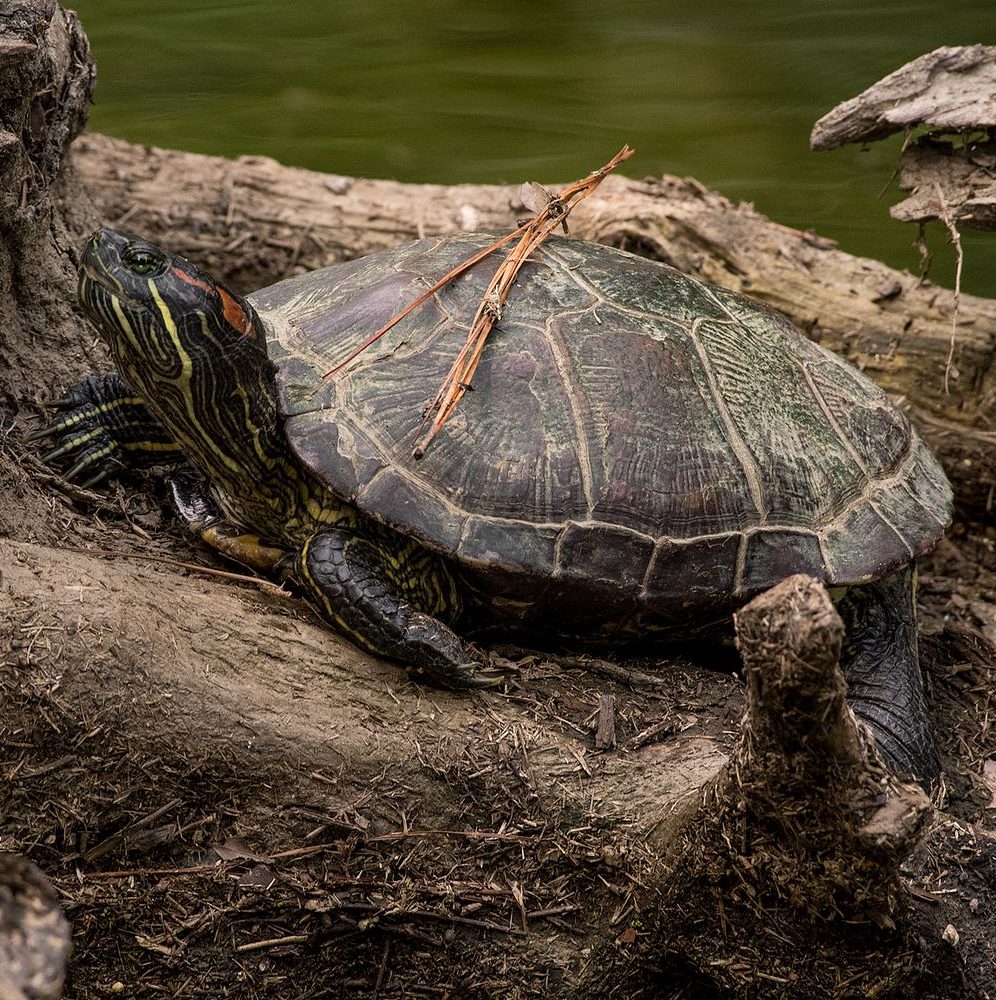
<point x="209" y="778"/>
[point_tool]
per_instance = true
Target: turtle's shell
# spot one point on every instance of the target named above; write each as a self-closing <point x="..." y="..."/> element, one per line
<point x="635" y="440"/>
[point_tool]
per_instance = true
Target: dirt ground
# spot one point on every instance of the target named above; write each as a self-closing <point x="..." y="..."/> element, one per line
<point x="199" y="857"/>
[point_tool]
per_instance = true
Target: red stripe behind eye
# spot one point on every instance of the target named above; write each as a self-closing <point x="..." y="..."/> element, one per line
<point x="234" y="313"/>
<point x="190" y="279"/>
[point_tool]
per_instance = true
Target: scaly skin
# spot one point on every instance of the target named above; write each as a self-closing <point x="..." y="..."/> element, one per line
<point x="880" y="629"/>
<point x="106" y="427"/>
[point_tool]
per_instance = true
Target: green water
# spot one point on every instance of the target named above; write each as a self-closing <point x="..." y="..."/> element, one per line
<point x="547" y="90"/>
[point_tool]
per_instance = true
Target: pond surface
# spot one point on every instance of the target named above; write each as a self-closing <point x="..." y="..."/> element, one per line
<point x="463" y="90"/>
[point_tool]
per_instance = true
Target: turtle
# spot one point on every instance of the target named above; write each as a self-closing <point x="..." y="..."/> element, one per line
<point x="641" y="453"/>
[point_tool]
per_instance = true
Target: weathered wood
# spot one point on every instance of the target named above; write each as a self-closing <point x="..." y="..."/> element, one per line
<point x="34" y="933"/>
<point x="803" y="830"/>
<point x="951" y="89"/>
<point x="45" y="79"/>
<point x="254" y="221"/>
<point x="948" y="182"/>
<point x="803" y="760"/>
<point x="167" y="642"/>
<point x="605" y="723"/>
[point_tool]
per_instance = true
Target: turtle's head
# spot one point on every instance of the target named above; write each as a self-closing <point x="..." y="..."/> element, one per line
<point x="193" y="349"/>
<point x="157" y="311"/>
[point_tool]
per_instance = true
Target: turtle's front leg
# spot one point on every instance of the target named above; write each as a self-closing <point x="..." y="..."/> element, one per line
<point x="103" y="427"/>
<point x="386" y="594"/>
<point x="882" y="667"/>
<point x="382" y="591"/>
<point x="201" y="515"/>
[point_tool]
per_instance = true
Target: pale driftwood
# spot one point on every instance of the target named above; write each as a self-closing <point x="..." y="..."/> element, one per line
<point x="951" y="89"/>
<point x="254" y="221"/>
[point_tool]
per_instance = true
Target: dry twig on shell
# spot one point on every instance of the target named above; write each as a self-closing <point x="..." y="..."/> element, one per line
<point x="459" y="379"/>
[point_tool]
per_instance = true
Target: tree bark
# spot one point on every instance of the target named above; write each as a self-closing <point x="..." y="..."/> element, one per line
<point x="949" y="171"/>
<point x="45" y="76"/>
<point x="254" y="221"/>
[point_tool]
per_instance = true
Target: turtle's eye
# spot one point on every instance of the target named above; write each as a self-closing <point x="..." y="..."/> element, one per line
<point x="141" y="261"/>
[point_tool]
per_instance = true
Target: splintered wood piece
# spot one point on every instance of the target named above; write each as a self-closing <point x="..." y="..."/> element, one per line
<point x="605" y="726"/>
<point x="952" y="88"/>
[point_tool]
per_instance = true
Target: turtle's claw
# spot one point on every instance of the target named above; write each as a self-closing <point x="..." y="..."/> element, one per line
<point x="80" y="416"/>
<point x="466" y="676"/>
<point x="102" y="427"/>
<point x="69" y="443"/>
<point x="64" y="402"/>
<point x="39" y="434"/>
<point x="440" y="658"/>
<point x="484" y="676"/>
<point x="98" y="460"/>
<point x="93" y="451"/>
<point x="458" y="676"/>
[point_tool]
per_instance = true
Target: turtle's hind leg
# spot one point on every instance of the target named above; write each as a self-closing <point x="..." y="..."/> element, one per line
<point x="103" y="427"/>
<point x="385" y="593"/>
<point x="881" y="663"/>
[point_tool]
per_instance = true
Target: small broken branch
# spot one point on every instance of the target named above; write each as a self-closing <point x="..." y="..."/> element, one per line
<point x="605" y="727"/>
